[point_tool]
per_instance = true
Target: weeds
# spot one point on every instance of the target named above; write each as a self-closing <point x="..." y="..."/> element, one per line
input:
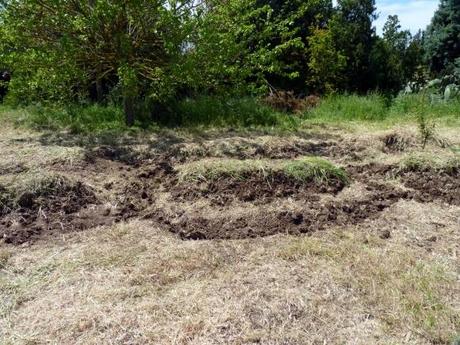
<point x="350" y="108"/>
<point x="427" y="129"/>
<point x="232" y="112"/>
<point x="228" y="112"/>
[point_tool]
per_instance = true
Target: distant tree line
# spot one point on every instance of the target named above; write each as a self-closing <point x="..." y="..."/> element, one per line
<point x="145" y="53"/>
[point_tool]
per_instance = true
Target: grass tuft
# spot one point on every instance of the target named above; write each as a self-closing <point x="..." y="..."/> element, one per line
<point x="313" y="168"/>
<point x="421" y="162"/>
<point x="306" y="169"/>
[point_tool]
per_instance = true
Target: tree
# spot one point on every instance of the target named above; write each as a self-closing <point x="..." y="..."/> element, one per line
<point x="290" y="25"/>
<point x="129" y="42"/>
<point x="442" y="37"/>
<point x="326" y="63"/>
<point x="388" y="57"/>
<point x="352" y="28"/>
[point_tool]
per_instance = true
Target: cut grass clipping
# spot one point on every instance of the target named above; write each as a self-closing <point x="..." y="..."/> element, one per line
<point x="307" y="169"/>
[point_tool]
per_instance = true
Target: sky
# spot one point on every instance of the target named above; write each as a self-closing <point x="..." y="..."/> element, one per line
<point x="413" y="14"/>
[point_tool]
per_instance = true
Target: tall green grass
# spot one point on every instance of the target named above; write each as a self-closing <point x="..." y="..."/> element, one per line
<point x="373" y="107"/>
<point x="379" y="108"/>
<point x="201" y="112"/>
<point x="75" y="118"/>
<point x="238" y="113"/>
<point x="246" y="112"/>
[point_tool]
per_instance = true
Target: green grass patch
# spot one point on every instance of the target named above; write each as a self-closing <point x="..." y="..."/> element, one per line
<point x="245" y="112"/>
<point x="75" y="118"/>
<point x="204" y="112"/>
<point x="313" y="168"/>
<point x="207" y="112"/>
<point x="375" y="108"/>
<point x="304" y="170"/>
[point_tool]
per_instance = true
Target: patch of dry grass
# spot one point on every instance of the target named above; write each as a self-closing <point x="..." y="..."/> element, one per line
<point x="449" y="162"/>
<point x="406" y="293"/>
<point x="133" y="283"/>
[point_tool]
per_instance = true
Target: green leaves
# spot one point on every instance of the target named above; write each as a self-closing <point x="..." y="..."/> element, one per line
<point x="442" y="37"/>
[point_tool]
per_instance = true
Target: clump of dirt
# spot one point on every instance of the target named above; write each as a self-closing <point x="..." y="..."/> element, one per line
<point x="254" y="187"/>
<point x="120" y="154"/>
<point x="60" y="205"/>
<point x="428" y="184"/>
<point x="140" y="191"/>
<point x="312" y="217"/>
<point x="434" y="185"/>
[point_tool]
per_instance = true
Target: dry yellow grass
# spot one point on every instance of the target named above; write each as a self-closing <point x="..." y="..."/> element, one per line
<point x="135" y="283"/>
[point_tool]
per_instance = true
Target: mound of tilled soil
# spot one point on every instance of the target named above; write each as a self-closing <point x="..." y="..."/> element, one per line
<point x="254" y="188"/>
<point x="396" y="142"/>
<point x="432" y="185"/>
<point x="136" y="182"/>
<point x="428" y="184"/>
<point x="66" y="208"/>
<point x="313" y="216"/>
<point x="250" y="150"/>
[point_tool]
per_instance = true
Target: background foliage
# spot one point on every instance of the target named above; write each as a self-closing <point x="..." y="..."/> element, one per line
<point x="148" y="56"/>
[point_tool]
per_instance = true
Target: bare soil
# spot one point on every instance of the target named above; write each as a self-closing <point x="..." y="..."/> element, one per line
<point x="138" y="180"/>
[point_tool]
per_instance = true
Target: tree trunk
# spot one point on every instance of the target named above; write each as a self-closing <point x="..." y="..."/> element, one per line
<point x="99" y="91"/>
<point x="128" y="107"/>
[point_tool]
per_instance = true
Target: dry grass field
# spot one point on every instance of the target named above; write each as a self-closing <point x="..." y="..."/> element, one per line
<point x="324" y="236"/>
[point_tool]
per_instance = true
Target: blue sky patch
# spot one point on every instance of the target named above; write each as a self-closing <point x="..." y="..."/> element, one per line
<point x="413" y="14"/>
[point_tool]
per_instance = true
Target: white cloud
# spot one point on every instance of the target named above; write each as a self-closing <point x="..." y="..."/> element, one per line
<point x="413" y="14"/>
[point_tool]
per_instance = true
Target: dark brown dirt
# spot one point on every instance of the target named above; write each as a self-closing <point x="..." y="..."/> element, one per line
<point x="312" y="217"/>
<point x="253" y="188"/>
<point x="431" y="185"/>
<point x="395" y="142"/>
<point x="71" y="207"/>
<point x="138" y="180"/>
<point x="428" y="184"/>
